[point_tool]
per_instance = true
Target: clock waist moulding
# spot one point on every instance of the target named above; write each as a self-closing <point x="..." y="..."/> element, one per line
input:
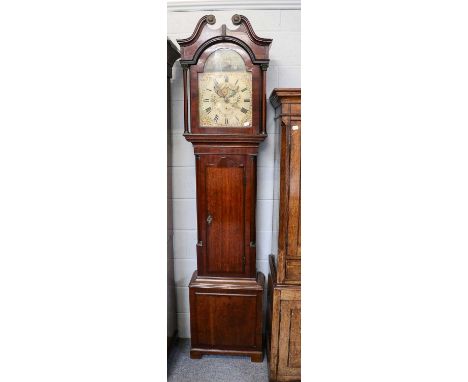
<point x="224" y="77"/>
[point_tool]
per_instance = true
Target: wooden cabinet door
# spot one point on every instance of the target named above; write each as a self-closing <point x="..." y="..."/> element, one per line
<point x="224" y="208"/>
<point x="289" y="354"/>
<point x="226" y="319"/>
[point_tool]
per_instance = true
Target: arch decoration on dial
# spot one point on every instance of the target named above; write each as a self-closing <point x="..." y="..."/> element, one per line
<point x="225" y="89"/>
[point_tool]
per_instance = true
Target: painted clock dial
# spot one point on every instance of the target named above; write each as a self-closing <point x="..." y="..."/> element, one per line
<point x="225" y="91"/>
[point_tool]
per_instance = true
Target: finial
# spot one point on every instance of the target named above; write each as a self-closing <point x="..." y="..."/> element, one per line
<point x="236" y="19"/>
<point x="210" y="19"/>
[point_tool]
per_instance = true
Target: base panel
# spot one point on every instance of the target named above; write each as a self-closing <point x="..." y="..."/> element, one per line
<point x="226" y="316"/>
<point x="283" y="329"/>
<point x="255" y="356"/>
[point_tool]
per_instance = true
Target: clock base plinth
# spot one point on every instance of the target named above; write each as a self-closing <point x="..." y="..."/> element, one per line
<point x="198" y="353"/>
<point x="226" y="316"/>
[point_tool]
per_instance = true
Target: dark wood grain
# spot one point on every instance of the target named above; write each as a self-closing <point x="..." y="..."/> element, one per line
<point x="172" y="56"/>
<point x="226" y="293"/>
<point x="226" y="316"/>
<point x="225" y="206"/>
<point x="203" y="36"/>
<point x="186" y="102"/>
<point x="226" y="191"/>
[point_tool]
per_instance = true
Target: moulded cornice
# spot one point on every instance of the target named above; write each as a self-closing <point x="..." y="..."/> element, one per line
<point x="285" y="95"/>
<point x="221" y="5"/>
<point x="225" y="138"/>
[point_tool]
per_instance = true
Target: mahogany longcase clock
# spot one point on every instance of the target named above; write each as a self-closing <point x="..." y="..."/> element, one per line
<point x="224" y="74"/>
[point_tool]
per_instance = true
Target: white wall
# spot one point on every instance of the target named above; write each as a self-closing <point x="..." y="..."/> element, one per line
<point x="283" y="26"/>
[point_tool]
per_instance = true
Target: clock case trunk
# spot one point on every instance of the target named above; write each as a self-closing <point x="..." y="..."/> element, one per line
<point x="226" y="292"/>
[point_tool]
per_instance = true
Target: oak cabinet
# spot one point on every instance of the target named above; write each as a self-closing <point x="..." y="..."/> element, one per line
<point x="284" y="282"/>
<point x="283" y="329"/>
<point x="287" y="104"/>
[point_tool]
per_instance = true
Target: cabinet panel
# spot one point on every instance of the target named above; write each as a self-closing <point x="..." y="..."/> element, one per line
<point x="225" y="220"/>
<point x="293" y="270"/>
<point x="229" y="319"/>
<point x="294" y="191"/>
<point x="289" y="355"/>
<point x="284" y="329"/>
<point x="226" y="213"/>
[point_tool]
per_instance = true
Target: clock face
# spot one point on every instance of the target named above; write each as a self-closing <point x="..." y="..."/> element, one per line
<point x="225" y="99"/>
<point x="225" y="91"/>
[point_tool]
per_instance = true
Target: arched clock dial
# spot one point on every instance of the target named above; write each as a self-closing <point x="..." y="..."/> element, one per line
<point x="225" y="99"/>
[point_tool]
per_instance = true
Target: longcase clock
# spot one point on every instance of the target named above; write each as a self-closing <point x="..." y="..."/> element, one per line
<point x="224" y="74"/>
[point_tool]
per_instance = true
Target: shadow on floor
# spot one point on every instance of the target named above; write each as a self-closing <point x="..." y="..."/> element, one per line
<point x="212" y="368"/>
